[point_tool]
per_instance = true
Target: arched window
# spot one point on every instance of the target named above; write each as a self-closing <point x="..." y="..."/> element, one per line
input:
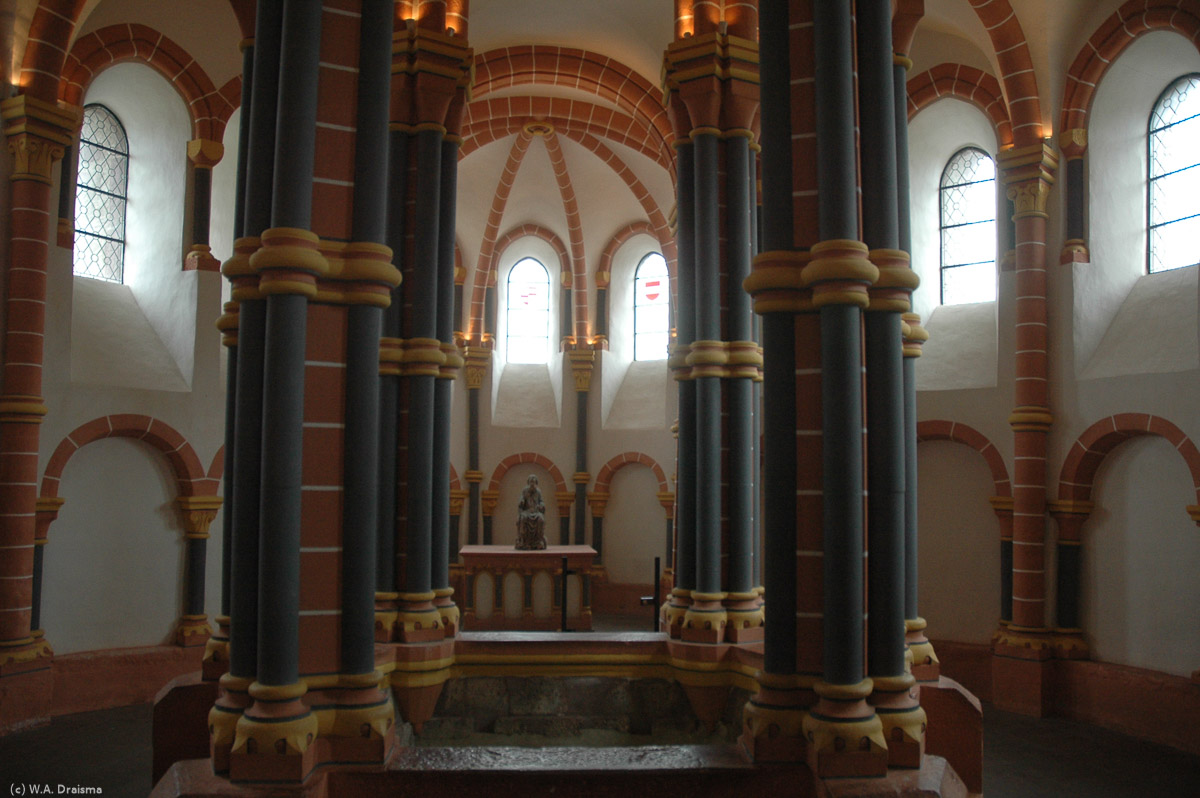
<point x="100" y="196"/>
<point x="967" y="196"/>
<point x="651" y="308"/>
<point x="528" y="318"/>
<point x="1173" y="194"/>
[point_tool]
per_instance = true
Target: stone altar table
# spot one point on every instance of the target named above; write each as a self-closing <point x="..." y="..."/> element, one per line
<point x="510" y="589"/>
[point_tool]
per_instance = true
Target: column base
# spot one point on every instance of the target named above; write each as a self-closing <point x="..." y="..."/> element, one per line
<point x="357" y="720"/>
<point x="1069" y="644"/>
<point x="275" y="736"/>
<point x="417" y="620"/>
<point x="674" y="611"/>
<point x="896" y="702"/>
<point x="746" y="617"/>
<point x="216" y="651"/>
<point x="845" y="736"/>
<point x="925" y="664"/>
<point x="706" y="619"/>
<point x="192" y="630"/>
<point x="26" y="691"/>
<point x="29" y="654"/>
<point x="447" y="610"/>
<point x="773" y="718"/>
<point x="232" y="700"/>
<point x="385" y="616"/>
<point x="418" y="677"/>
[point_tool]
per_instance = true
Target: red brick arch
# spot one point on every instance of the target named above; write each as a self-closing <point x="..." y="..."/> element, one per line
<point x="1127" y="23"/>
<point x="521" y="458"/>
<point x="966" y="83"/>
<point x="638" y="228"/>
<point x="208" y="107"/>
<point x="1016" y="68"/>
<point x="577" y="69"/>
<point x="941" y="430"/>
<point x="1097" y="441"/>
<point x="487" y="120"/>
<point x="609" y="469"/>
<point x="50" y="32"/>
<point x="190" y="477"/>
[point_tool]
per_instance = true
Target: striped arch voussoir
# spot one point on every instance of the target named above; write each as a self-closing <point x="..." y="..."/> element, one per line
<point x="1127" y="23"/>
<point x="190" y="476"/>
<point x="208" y="107"/>
<point x="577" y="69"/>
<point x="524" y="458"/>
<point x="1097" y="441"/>
<point x="1016" y="69"/>
<point x="966" y="83"/>
<point x="609" y="469"/>
<point x="623" y="235"/>
<point x="941" y="430"/>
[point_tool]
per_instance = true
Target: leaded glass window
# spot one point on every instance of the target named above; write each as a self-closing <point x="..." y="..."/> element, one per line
<point x="651" y="309"/>
<point x="528" y="337"/>
<point x="100" y="196"/>
<point x="1173" y="197"/>
<point x="968" y="228"/>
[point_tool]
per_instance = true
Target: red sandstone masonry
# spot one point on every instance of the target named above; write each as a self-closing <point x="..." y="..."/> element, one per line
<point x="942" y="430"/>
<point x="560" y="66"/>
<point x="1016" y="68"/>
<point x="185" y="465"/>
<point x="514" y="460"/>
<point x="1110" y="39"/>
<point x="100" y="49"/>
<point x="618" y="240"/>
<point x="484" y="269"/>
<point x="1079" y="468"/>
<point x="575" y="230"/>
<point x="967" y="83"/>
<point x="609" y="470"/>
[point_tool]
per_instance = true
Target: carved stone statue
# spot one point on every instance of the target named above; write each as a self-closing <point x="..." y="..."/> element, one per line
<point x="531" y="517"/>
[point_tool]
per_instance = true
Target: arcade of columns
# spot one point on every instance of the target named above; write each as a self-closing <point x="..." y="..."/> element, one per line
<point x="342" y="352"/>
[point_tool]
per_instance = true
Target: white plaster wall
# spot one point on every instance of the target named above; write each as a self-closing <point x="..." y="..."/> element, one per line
<point x="525" y="394"/>
<point x="158" y="126"/>
<point x="937" y="132"/>
<point x="113" y="574"/>
<point x="1116" y="164"/>
<point x="959" y="544"/>
<point x="962" y="348"/>
<point x="1141" y="553"/>
<point x="1154" y="331"/>
<point x="634" y="526"/>
<point x="224" y="186"/>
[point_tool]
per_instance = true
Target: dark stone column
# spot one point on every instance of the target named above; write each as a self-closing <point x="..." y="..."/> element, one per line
<point x="892" y="696"/>
<point x="418" y="619"/>
<point x="706" y="619"/>
<point x="839" y="274"/>
<point x="389" y="383"/>
<point x="685" y="328"/>
<point x="440" y="553"/>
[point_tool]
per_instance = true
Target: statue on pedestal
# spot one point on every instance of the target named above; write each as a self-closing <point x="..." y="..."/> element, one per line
<point x="531" y="517"/>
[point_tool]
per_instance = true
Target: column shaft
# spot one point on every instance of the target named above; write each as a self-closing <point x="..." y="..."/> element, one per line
<point x="443" y="388"/>
<point x="581" y="450"/>
<point x="742" y="446"/>
<point x="708" y="389"/>
<point x="685" y="491"/>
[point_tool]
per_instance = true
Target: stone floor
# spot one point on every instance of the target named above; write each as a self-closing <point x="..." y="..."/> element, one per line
<point x="1023" y="758"/>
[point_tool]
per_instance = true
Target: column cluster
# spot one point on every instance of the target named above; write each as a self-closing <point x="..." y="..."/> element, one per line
<point x="711" y="86"/>
<point x="833" y="286"/>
